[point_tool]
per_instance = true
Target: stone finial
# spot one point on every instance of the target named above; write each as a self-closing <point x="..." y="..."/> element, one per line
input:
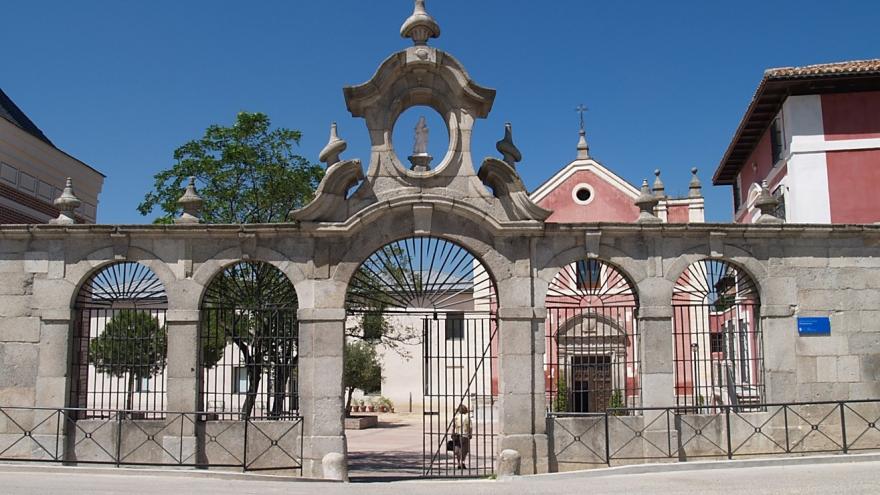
<point x="335" y="146"/>
<point x="420" y="26"/>
<point x="659" y="188"/>
<point x="766" y="203"/>
<point x="508" y="150"/>
<point x="695" y="188"/>
<point x="67" y="203"/>
<point x="583" y="147"/>
<point x="646" y="203"/>
<point x="191" y="203"/>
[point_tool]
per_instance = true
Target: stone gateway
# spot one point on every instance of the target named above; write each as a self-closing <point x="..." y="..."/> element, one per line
<point x="701" y="356"/>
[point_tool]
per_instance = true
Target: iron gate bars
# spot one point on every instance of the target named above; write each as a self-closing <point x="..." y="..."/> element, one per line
<point x="248" y="344"/>
<point x="727" y="431"/>
<point x="118" y="438"/>
<point x="459" y="375"/>
<point x="120" y="342"/>
<point x="592" y="359"/>
<point x="421" y="274"/>
<point x="718" y="348"/>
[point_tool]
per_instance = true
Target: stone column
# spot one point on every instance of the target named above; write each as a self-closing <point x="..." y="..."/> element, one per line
<point x="522" y="425"/>
<point x="658" y="381"/>
<point x="321" y="348"/>
<point x="182" y="381"/>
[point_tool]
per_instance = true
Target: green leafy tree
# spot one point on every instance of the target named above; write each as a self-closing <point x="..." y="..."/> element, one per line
<point x="561" y="401"/>
<point x="247" y="173"/>
<point x="362" y="370"/>
<point x="133" y="346"/>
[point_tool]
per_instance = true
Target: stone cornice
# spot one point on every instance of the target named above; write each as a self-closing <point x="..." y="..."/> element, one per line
<point x="357" y="222"/>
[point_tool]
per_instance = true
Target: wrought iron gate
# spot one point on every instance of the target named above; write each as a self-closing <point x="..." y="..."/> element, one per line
<point x="459" y="375"/>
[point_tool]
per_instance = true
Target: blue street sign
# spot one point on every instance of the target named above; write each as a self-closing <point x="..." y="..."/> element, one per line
<point x="814" y="325"/>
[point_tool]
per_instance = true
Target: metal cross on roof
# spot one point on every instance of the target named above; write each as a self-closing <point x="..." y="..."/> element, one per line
<point x="581" y="109"/>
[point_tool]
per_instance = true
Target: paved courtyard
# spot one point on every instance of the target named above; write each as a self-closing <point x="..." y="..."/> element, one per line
<point x="392" y="450"/>
<point x="840" y="478"/>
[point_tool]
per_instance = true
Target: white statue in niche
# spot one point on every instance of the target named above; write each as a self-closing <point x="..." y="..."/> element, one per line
<point x="421" y="145"/>
<point x="420" y="158"/>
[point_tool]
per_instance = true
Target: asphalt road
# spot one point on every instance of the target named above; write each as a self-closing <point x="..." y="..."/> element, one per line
<point x="825" y="479"/>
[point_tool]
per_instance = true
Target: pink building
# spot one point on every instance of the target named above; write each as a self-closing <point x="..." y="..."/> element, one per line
<point x="587" y="191"/>
<point x="813" y="133"/>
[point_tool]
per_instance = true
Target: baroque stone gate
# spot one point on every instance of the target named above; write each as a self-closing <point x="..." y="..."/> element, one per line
<point x="798" y="270"/>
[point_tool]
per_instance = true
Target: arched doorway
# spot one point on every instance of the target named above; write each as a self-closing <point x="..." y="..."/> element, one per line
<point x="592" y="360"/>
<point x="428" y="305"/>
<point x="120" y="344"/>
<point x="718" y="356"/>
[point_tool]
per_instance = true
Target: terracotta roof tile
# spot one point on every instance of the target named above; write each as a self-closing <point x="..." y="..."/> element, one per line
<point x="832" y="69"/>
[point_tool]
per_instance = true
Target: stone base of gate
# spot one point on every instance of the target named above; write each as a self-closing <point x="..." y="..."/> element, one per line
<point x="314" y="450"/>
<point x="533" y="450"/>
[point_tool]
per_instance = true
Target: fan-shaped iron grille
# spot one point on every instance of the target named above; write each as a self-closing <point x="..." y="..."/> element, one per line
<point x="421" y="274"/>
<point x="714" y="282"/>
<point x="592" y="356"/>
<point x="248" y="343"/>
<point x="120" y="343"/>
<point x="717" y="338"/>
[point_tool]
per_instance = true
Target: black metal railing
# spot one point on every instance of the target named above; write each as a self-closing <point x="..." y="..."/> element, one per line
<point x="722" y="431"/>
<point x="125" y="438"/>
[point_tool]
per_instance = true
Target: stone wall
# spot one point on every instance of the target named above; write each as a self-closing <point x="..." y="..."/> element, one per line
<point x="800" y="270"/>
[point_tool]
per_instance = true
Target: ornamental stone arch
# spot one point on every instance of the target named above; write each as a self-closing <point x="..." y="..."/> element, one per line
<point x="79" y="273"/>
<point x="628" y="264"/>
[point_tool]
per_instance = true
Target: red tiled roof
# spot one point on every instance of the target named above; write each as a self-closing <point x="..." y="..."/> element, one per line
<point x="776" y="85"/>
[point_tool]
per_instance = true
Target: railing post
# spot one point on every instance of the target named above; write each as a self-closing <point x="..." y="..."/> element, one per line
<point x="727" y="427"/>
<point x="607" y="441"/>
<point x="244" y="464"/>
<point x="119" y="437"/>
<point x="58" y="434"/>
<point x="785" y="419"/>
<point x="843" y="427"/>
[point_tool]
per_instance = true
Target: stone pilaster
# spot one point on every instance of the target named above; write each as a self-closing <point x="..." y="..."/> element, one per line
<point x="522" y="424"/>
<point x="321" y="350"/>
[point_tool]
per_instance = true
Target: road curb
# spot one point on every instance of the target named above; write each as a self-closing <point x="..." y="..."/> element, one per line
<point x="671" y="467"/>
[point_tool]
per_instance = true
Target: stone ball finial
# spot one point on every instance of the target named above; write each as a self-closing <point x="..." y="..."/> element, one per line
<point x="191" y="203"/>
<point x="695" y="188"/>
<point x="335" y="146"/>
<point x="766" y="203"/>
<point x="646" y="203"/>
<point x="508" y="150"/>
<point x="420" y="26"/>
<point x="659" y="188"/>
<point x="67" y="204"/>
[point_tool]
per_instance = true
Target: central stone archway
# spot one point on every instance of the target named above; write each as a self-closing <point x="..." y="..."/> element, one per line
<point x="428" y="306"/>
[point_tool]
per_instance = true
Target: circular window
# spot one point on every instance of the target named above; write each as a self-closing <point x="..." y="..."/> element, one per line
<point x="582" y="194"/>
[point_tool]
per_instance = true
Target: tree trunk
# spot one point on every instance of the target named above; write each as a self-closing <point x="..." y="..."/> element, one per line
<point x="348" y="402"/>
<point x="255" y="374"/>
<point x="129" y="399"/>
<point x="282" y="376"/>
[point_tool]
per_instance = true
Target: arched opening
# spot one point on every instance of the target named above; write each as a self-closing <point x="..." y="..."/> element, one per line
<point x="592" y="361"/>
<point x="718" y="356"/>
<point x="120" y="344"/>
<point x="426" y="306"/>
<point x="248" y="346"/>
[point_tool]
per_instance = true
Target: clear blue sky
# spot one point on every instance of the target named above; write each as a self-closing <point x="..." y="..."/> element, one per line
<point x="121" y="84"/>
